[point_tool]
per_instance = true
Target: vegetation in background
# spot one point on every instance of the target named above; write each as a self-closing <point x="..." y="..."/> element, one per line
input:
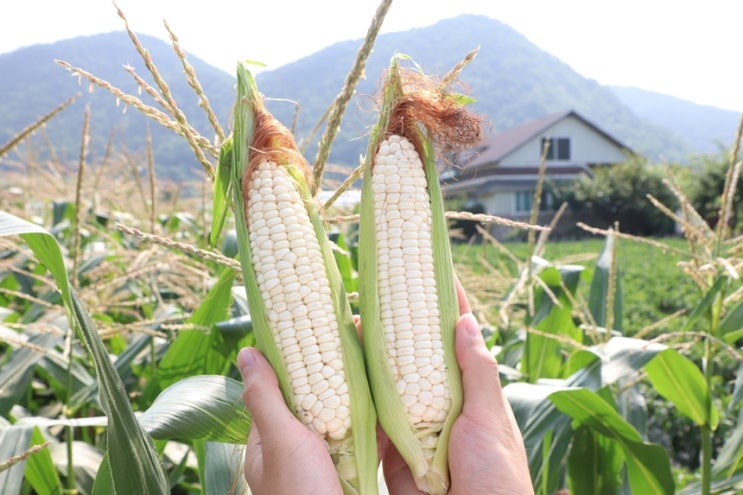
<point x="122" y="310"/>
<point x="618" y="194"/>
<point x="706" y="188"/>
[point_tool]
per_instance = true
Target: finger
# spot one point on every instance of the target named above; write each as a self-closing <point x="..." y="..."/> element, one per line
<point x="253" y="455"/>
<point x="397" y="475"/>
<point x="262" y="395"/>
<point x="464" y="304"/>
<point x="383" y="443"/>
<point x="357" y="322"/>
<point x="480" y="380"/>
<point x="515" y="426"/>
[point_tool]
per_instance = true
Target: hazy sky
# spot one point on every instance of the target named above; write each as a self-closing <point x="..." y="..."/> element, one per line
<point x="689" y="49"/>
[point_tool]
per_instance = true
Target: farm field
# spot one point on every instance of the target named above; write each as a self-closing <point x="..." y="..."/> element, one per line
<point x="123" y="305"/>
<point x="148" y="295"/>
<point x="653" y="285"/>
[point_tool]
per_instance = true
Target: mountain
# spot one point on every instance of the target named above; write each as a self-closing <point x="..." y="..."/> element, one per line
<point x="512" y="80"/>
<point x="704" y="128"/>
<point x="32" y="84"/>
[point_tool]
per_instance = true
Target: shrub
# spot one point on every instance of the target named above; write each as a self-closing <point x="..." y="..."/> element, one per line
<point x="619" y="193"/>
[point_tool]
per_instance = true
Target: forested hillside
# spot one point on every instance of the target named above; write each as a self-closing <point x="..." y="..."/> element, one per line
<point x="512" y="80"/>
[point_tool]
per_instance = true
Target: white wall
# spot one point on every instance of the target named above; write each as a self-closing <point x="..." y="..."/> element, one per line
<point x="498" y="202"/>
<point x="586" y="146"/>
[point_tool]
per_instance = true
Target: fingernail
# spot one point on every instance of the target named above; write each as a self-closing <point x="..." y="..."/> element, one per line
<point x="469" y="325"/>
<point x="245" y="360"/>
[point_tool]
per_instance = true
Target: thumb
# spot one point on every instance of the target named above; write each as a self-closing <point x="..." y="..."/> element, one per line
<point x="261" y="392"/>
<point x="480" y="380"/>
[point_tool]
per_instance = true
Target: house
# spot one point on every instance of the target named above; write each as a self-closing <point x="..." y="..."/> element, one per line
<point x="501" y="172"/>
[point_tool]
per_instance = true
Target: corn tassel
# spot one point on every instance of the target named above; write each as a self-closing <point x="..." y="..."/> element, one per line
<point x="301" y="317"/>
<point x="408" y="299"/>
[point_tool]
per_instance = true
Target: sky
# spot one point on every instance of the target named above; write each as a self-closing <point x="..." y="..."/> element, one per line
<point x="688" y="49"/>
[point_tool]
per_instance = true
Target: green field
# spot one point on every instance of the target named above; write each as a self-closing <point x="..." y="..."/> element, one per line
<point x="653" y="285"/>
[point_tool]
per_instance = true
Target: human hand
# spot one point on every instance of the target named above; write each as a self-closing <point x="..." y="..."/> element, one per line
<point x="486" y="450"/>
<point x="283" y="456"/>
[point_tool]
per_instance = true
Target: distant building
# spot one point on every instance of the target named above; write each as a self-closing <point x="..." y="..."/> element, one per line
<point x="501" y="172"/>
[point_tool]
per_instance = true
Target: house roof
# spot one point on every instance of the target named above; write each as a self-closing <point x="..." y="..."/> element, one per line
<point x="498" y="146"/>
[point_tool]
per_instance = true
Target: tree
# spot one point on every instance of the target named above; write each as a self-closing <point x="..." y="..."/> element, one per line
<point x="619" y="193"/>
<point x="705" y="189"/>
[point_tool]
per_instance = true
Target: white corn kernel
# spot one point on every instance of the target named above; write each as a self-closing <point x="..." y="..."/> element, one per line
<point x="289" y="270"/>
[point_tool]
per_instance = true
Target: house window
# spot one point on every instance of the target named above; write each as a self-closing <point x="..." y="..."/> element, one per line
<point x="525" y="200"/>
<point x="559" y="148"/>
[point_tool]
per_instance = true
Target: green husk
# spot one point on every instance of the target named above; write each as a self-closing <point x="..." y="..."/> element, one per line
<point x="221" y="191"/>
<point x="355" y="457"/>
<point x="433" y="478"/>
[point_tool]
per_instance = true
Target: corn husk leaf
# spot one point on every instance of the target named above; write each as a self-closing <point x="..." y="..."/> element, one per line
<point x="390" y="409"/>
<point x="360" y="449"/>
<point x="222" y="191"/>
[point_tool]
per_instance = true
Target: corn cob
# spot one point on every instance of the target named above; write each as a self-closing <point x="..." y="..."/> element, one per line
<point x="407" y="293"/>
<point x="300" y="313"/>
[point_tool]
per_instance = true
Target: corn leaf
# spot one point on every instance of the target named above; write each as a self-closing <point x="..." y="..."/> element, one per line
<point x="730" y="457"/>
<point x="138" y="468"/>
<point x="130" y="449"/>
<point x="737" y="394"/>
<point x="344" y="261"/>
<point x="543" y="426"/>
<point x="14" y="440"/>
<point x="223" y="469"/>
<point x="222" y="191"/>
<point x="192" y="351"/>
<point x="17" y="371"/>
<point x="706" y="302"/>
<point x="122" y="365"/>
<point x="648" y="466"/>
<point x="40" y="471"/>
<point x="542" y="357"/>
<point x="599" y="291"/>
<point x="206" y="407"/>
<point x="624" y="357"/>
<point x="719" y="486"/>
<point x="732" y="324"/>
<point x="679" y="380"/>
<point x="632" y="405"/>
<point x="86" y="461"/>
<point x="59" y="370"/>
<point x="199" y="407"/>
<point x="732" y="337"/>
<point x="43" y="245"/>
<point x="594" y="463"/>
<point x="104" y="482"/>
